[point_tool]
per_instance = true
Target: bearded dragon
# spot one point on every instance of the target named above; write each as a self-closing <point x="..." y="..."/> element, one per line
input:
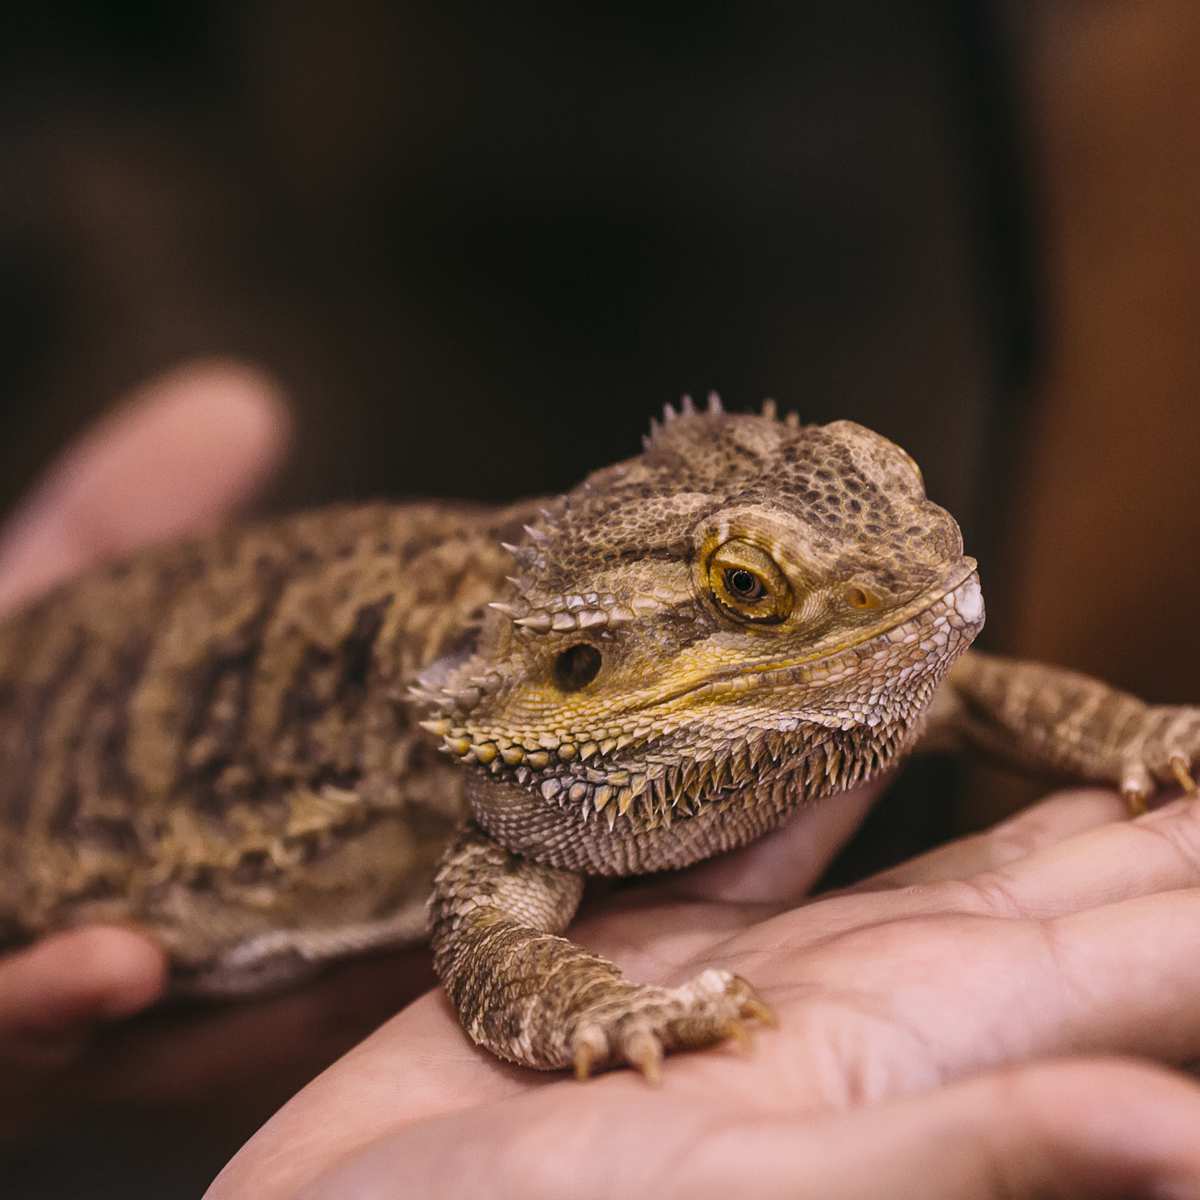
<point x="359" y="727"/>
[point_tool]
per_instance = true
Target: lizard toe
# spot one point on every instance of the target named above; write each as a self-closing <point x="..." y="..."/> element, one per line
<point x="648" y="1023"/>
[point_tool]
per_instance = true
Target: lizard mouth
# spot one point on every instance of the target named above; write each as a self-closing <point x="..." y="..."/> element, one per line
<point x="957" y="593"/>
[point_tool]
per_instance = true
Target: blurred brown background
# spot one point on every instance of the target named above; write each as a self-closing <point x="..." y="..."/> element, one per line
<point x="479" y="245"/>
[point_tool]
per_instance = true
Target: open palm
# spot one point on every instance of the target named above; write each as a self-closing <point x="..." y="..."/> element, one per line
<point x="910" y="1008"/>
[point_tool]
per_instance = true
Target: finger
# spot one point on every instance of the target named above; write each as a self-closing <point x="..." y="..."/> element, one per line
<point x="951" y="993"/>
<point x="1070" y="1129"/>
<point x="70" y="980"/>
<point x="1064" y="1129"/>
<point x="183" y="451"/>
<point x="1119" y="860"/>
<point x="1159" y="852"/>
<point x="1055" y="819"/>
<point x="781" y="868"/>
<point x="1086" y="1129"/>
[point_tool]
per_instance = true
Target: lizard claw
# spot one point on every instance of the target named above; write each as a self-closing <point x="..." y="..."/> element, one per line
<point x="1137" y="786"/>
<point x="751" y="1004"/>
<point x="735" y="1031"/>
<point x="1179" y="768"/>
<point x="645" y="1025"/>
<point x="644" y="1051"/>
<point x="1135" y="801"/>
<point x="583" y="1061"/>
<point x="591" y="1046"/>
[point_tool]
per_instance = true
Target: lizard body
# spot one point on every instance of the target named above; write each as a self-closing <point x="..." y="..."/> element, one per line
<point x="259" y="745"/>
<point x="213" y="739"/>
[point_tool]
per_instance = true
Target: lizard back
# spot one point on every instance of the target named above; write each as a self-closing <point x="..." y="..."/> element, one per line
<point x="212" y="739"/>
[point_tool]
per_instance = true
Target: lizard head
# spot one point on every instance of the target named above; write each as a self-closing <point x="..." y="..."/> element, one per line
<point x="751" y="607"/>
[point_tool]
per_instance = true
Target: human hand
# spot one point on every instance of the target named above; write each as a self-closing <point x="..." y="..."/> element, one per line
<point x="926" y="1016"/>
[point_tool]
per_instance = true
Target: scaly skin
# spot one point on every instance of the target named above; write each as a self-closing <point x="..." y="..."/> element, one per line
<point x="234" y="742"/>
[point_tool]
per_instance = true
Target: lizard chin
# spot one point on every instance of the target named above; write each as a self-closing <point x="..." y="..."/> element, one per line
<point x="769" y="745"/>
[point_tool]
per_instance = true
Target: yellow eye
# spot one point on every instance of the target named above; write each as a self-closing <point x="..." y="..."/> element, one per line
<point x="746" y="582"/>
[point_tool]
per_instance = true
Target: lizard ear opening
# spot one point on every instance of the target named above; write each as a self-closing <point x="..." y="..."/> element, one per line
<point x="860" y="597"/>
<point x="576" y="667"/>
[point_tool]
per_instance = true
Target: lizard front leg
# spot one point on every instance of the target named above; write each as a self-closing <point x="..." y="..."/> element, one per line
<point x="1069" y="724"/>
<point x="535" y="998"/>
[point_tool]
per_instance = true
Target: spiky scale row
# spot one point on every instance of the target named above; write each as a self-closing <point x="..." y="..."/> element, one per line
<point x="561" y="614"/>
<point x="663" y="786"/>
<point x="713" y="408"/>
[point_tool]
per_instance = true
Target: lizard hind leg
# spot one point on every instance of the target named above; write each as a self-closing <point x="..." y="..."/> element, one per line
<point x="278" y="958"/>
<point x="533" y="997"/>
<point x="1071" y="725"/>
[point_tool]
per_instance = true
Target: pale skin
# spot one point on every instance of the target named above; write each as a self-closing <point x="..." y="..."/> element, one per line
<point x="895" y="1071"/>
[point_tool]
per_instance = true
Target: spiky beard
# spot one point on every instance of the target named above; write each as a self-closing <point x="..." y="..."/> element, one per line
<point x="836" y="723"/>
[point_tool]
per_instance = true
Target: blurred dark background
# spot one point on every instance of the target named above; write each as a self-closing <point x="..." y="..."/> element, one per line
<point x="479" y="245"/>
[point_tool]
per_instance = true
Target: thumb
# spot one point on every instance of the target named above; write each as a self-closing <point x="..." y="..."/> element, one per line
<point x="52" y="991"/>
<point x="181" y="453"/>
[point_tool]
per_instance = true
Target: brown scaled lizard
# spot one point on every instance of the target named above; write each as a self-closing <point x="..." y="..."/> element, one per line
<point x="364" y="726"/>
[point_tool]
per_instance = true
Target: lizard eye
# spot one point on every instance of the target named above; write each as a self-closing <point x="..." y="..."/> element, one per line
<point x="747" y="583"/>
<point x="576" y="667"/>
<point x="743" y="584"/>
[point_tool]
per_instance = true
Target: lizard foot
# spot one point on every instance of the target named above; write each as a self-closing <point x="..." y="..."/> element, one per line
<point x="1166" y="754"/>
<point x="637" y="1027"/>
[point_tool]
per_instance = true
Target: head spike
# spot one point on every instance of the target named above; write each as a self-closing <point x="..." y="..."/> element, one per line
<point x="509" y="610"/>
<point x="687" y="405"/>
<point x="669" y="413"/>
<point x="715" y="407"/>
<point x="770" y="409"/>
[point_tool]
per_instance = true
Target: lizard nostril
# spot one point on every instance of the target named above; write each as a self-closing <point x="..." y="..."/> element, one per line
<point x="576" y="667"/>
